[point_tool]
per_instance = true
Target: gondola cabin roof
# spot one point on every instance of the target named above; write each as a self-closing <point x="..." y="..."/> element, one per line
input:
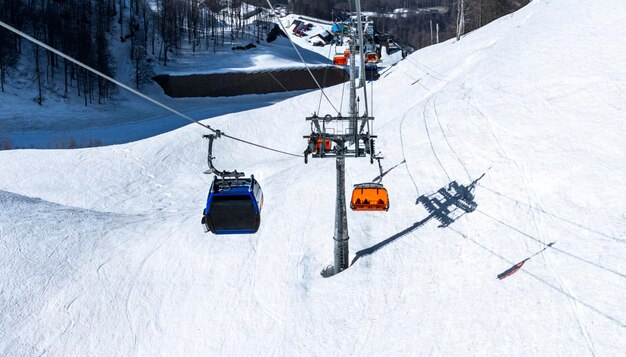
<point x="232" y="186"/>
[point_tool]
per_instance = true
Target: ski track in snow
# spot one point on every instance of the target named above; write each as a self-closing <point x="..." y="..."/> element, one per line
<point x="572" y="300"/>
<point x="430" y="140"/>
<point x="469" y="176"/>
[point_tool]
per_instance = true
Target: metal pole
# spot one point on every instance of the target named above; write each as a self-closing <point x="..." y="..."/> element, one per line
<point x="354" y="109"/>
<point x="359" y="34"/>
<point x="341" y="219"/>
<point x="361" y="52"/>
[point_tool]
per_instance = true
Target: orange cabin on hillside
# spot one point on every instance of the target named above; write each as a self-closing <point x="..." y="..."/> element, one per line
<point x="340" y="60"/>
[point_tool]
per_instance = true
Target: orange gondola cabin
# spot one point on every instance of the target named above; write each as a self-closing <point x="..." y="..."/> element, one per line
<point x="340" y="60"/>
<point x="327" y="145"/>
<point x="369" y="197"/>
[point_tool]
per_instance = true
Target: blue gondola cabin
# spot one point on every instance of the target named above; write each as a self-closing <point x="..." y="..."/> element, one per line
<point x="233" y="206"/>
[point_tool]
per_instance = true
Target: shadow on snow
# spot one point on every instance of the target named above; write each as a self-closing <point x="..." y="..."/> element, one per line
<point x="446" y="205"/>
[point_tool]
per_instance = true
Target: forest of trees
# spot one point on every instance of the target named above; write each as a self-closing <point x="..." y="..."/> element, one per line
<point x="84" y="30"/>
<point x="153" y="30"/>
<point x="75" y="27"/>
<point x="414" y="29"/>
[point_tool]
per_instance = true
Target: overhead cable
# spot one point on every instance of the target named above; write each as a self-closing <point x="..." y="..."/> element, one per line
<point x="299" y="55"/>
<point x="122" y="85"/>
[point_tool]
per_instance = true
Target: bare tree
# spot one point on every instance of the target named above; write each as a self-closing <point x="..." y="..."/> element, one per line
<point x="8" y="55"/>
<point x="460" y="19"/>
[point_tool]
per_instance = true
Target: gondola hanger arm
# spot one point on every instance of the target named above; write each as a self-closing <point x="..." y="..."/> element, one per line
<point x="210" y="157"/>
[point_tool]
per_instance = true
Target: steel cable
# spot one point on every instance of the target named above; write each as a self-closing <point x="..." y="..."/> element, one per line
<point x="122" y="85"/>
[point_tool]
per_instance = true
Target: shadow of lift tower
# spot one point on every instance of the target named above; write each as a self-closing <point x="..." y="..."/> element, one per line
<point x="347" y="143"/>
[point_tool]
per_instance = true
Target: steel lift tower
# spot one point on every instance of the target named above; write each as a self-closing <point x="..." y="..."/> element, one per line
<point x="356" y="141"/>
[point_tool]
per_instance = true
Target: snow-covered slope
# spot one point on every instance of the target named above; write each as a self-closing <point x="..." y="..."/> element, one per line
<point x="103" y="252"/>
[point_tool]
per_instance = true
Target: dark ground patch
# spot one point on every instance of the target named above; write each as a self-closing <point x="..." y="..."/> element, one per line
<point x="240" y="83"/>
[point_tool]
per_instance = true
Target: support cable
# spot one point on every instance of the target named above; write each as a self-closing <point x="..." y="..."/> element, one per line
<point x="122" y="85"/>
<point x="236" y="40"/>
<point x="319" y="105"/>
<point x="417" y="190"/>
<point x="277" y="81"/>
<point x="343" y="91"/>
<point x="363" y="84"/>
<point x="537" y="240"/>
<point x="504" y="223"/>
<point x="299" y="55"/>
<point x="372" y="101"/>
<point x="541" y="210"/>
<point x="439" y="76"/>
<point x="538" y="278"/>
<point x="416" y="81"/>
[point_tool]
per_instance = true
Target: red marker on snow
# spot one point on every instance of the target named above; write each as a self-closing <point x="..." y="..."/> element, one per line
<point x="512" y="270"/>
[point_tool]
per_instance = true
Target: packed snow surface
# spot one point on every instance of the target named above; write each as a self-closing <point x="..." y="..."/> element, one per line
<point x="103" y="253"/>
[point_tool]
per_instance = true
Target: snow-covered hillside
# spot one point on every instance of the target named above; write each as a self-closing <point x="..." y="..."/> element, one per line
<point x="103" y="252"/>
<point x="126" y="118"/>
<point x="328" y="51"/>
